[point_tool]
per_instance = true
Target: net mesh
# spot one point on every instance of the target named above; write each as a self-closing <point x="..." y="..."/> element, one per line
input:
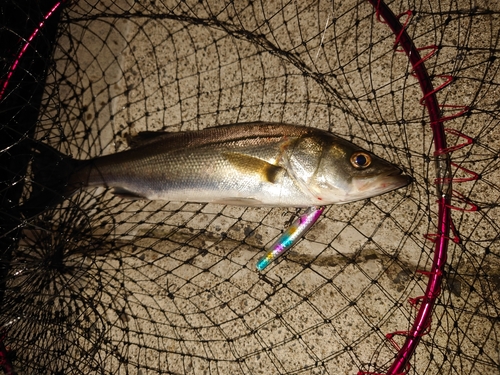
<point x="99" y="284"/>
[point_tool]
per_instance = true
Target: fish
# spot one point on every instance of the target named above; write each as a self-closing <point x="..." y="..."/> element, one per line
<point x="247" y="164"/>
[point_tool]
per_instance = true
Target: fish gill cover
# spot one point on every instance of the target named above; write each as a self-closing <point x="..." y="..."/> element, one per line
<point x="102" y="285"/>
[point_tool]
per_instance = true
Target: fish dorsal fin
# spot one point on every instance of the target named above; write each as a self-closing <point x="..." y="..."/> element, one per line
<point x="146" y="137"/>
<point x="248" y="164"/>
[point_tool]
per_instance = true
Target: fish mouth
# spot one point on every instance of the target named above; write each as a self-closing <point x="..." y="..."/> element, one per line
<point x="383" y="183"/>
<point x="398" y="176"/>
<point x="394" y="180"/>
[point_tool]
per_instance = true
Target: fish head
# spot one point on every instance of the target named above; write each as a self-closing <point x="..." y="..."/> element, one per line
<point x="348" y="173"/>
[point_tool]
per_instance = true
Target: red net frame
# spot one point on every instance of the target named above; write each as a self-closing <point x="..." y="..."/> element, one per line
<point x="444" y="183"/>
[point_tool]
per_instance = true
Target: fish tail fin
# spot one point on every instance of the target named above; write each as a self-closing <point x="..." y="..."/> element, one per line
<point x="53" y="178"/>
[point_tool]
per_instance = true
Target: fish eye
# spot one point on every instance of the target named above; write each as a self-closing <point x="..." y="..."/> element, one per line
<point x="360" y="160"/>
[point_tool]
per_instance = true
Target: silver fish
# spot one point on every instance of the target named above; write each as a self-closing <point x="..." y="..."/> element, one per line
<point x="251" y="164"/>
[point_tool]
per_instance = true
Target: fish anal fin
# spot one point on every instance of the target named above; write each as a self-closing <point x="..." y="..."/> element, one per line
<point x="248" y="164"/>
<point x="127" y="194"/>
<point x="238" y="201"/>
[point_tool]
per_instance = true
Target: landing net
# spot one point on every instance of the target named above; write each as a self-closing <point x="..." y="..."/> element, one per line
<point x="407" y="282"/>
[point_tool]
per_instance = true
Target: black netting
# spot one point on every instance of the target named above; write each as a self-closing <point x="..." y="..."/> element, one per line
<point x="97" y="284"/>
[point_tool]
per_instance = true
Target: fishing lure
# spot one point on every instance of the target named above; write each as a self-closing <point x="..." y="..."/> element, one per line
<point x="290" y="237"/>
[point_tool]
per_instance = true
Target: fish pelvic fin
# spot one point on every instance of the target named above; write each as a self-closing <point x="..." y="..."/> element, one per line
<point x="127" y="194"/>
<point x="248" y="164"/>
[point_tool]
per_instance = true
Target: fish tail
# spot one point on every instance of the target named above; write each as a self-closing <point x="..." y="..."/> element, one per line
<point x="54" y="178"/>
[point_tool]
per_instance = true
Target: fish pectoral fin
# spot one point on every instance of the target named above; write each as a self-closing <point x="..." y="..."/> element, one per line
<point x="247" y="164"/>
<point x="127" y="194"/>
